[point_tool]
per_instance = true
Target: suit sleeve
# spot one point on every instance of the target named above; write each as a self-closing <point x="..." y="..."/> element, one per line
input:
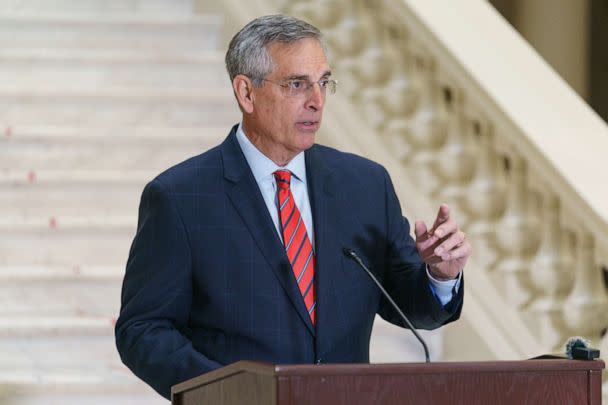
<point x="156" y="298"/>
<point x="405" y="275"/>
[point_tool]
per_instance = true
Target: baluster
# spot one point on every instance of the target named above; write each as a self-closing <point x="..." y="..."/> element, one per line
<point x="375" y="62"/>
<point x="552" y="274"/>
<point x="484" y="200"/>
<point x="400" y="96"/>
<point x="455" y="160"/>
<point x="426" y="129"/>
<point x="586" y="308"/>
<point x="516" y="237"/>
<point x="374" y="67"/>
<point x="347" y="39"/>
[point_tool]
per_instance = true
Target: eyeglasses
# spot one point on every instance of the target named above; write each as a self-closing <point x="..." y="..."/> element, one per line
<point x="301" y="87"/>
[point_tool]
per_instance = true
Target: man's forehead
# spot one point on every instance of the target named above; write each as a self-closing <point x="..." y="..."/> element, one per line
<point x="300" y="59"/>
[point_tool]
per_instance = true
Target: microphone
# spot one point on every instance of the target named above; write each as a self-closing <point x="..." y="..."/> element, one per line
<point x="351" y="254"/>
<point x="577" y="348"/>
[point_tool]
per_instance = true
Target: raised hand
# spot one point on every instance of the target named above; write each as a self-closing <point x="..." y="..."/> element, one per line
<point x="444" y="247"/>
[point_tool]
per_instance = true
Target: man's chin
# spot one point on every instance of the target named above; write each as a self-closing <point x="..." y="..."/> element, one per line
<point x="306" y="140"/>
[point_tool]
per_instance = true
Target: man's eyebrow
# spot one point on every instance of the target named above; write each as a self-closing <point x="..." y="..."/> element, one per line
<point x="296" y="76"/>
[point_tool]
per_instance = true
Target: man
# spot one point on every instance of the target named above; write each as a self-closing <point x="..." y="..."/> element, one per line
<point x="238" y="252"/>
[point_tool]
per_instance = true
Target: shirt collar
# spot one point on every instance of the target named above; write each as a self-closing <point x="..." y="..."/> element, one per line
<point x="261" y="166"/>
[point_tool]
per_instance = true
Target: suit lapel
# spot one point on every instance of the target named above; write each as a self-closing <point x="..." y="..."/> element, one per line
<point x="245" y="194"/>
<point x="326" y="215"/>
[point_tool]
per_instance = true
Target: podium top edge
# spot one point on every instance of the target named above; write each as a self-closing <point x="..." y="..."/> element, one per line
<point x="278" y="370"/>
<point x="441" y="367"/>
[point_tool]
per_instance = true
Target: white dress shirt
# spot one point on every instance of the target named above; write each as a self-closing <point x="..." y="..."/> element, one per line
<point x="263" y="168"/>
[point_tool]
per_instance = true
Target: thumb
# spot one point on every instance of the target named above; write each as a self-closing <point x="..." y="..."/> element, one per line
<point x="419" y="229"/>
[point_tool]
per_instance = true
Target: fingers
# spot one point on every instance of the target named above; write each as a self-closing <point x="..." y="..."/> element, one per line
<point x="420" y="230"/>
<point x="461" y="251"/>
<point x="444" y="247"/>
<point x="442" y="216"/>
<point x="446" y="229"/>
<point x="438" y="244"/>
<point x="441" y="234"/>
<point x="444" y="250"/>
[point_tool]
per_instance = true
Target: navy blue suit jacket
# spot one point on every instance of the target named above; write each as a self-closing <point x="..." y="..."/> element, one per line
<point x="208" y="282"/>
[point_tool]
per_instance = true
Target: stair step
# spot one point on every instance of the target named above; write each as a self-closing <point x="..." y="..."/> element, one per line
<point x="90" y="385"/>
<point x="65" y="241"/>
<point x="60" y="291"/>
<point x="97" y="394"/>
<point x="67" y="224"/>
<point x="66" y="366"/>
<point x="177" y="7"/>
<point x="65" y="359"/>
<point x="69" y="133"/>
<point x="39" y="327"/>
<point x="112" y="55"/>
<point x="33" y="68"/>
<point x="59" y="273"/>
<point x="56" y="193"/>
<point x="52" y="178"/>
<point x="41" y="353"/>
<point x="23" y="30"/>
<point x="103" y="149"/>
<point x="115" y="107"/>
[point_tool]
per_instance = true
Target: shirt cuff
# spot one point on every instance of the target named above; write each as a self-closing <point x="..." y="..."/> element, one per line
<point x="444" y="290"/>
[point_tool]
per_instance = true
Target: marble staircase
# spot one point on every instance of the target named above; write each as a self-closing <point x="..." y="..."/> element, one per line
<point x="96" y="98"/>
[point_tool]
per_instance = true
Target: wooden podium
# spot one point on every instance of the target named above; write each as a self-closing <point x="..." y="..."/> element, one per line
<point x="555" y="381"/>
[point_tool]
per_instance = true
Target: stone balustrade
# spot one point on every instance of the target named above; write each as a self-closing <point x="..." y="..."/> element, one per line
<point x="536" y="228"/>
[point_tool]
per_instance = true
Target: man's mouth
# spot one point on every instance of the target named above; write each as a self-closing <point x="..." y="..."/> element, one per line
<point x="307" y="126"/>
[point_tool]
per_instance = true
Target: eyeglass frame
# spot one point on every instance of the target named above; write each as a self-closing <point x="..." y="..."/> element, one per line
<point x="308" y="85"/>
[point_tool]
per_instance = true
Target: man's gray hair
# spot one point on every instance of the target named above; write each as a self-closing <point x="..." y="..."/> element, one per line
<point x="248" y="50"/>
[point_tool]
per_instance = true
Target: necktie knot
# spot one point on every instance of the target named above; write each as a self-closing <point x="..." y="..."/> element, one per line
<point x="283" y="178"/>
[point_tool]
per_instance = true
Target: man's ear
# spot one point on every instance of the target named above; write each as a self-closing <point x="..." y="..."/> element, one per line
<point x="243" y="90"/>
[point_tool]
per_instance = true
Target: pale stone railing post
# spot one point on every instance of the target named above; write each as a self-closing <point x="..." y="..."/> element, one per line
<point x="551" y="275"/>
<point x="516" y="236"/>
<point x="585" y="308"/>
<point x="456" y="159"/>
<point x="484" y="197"/>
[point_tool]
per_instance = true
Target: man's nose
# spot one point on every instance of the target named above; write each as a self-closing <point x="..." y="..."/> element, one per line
<point x="315" y="99"/>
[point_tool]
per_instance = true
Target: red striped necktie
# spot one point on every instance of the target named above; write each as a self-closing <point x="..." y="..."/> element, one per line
<point x="296" y="241"/>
